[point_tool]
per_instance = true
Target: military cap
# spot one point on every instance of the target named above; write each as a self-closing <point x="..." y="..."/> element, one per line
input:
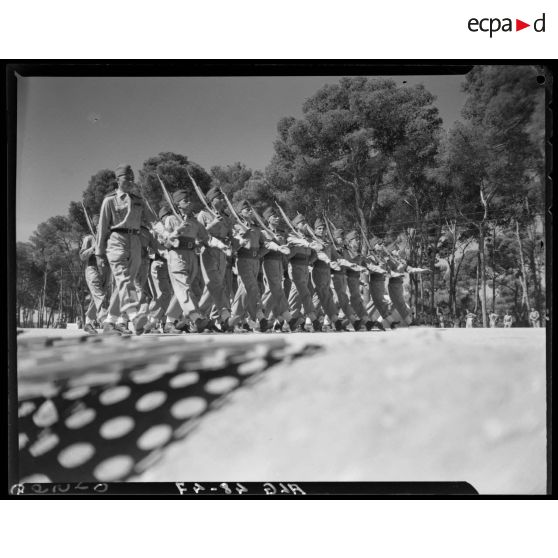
<point x="351" y="235"/>
<point x="319" y="223"/>
<point x="179" y="195"/>
<point x="213" y="193"/>
<point x="298" y="219"/>
<point x="164" y="210"/>
<point x="243" y="205"/>
<point x="123" y="170"/>
<point x="268" y="212"/>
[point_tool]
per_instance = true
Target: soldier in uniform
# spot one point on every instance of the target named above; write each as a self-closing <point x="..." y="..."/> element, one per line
<point x="274" y="301"/>
<point x="97" y="281"/>
<point x="118" y="243"/>
<point x="302" y="254"/>
<point x="355" y="267"/>
<point x="214" y="260"/>
<point x="321" y="275"/>
<point x="250" y="244"/>
<point x="508" y="319"/>
<point x="339" y="278"/>
<point x="182" y="259"/>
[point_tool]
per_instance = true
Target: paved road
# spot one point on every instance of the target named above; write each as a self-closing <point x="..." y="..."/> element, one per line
<point x="411" y="404"/>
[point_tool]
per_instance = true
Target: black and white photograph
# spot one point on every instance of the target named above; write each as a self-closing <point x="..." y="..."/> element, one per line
<point x="266" y="281"/>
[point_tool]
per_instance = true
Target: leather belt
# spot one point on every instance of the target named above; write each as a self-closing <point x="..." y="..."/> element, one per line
<point x="273" y="256"/>
<point x="185" y="243"/>
<point x="246" y="253"/>
<point x="125" y="231"/>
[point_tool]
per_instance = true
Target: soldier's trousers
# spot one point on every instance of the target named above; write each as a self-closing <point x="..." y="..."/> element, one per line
<point x="162" y="289"/>
<point x="274" y="301"/>
<point x="299" y="296"/>
<point x="353" y="282"/>
<point x="377" y="294"/>
<point x="247" y="297"/>
<point x="397" y="295"/>
<point x="341" y="287"/>
<point x="123" y="252"/>
<point x="321" y="277"/>
<point x="142" y="285"/>
<point x="183" y="269"/>
<point x="214" y="269"/>
<point x="97" y="282"/>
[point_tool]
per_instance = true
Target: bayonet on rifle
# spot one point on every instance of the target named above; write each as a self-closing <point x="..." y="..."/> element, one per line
<point x="169" y="200"/>
<point x="89" y="223"/>
<point x="201" y="195"/>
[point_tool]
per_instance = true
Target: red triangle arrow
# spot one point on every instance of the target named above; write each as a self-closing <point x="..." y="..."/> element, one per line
<point x="519" y="25"/>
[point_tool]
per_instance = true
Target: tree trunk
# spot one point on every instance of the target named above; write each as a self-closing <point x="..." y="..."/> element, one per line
<point x="523" y="281"/>
<point x="482" y="263"/>
<point x="493" y="269"/>
<point x="477" y="284"/>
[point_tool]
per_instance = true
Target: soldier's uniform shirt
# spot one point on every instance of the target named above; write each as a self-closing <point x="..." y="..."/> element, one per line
<point x="214" y="264"/>
<point x="120" y="220"/>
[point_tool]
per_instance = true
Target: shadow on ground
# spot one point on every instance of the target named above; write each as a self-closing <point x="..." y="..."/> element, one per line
<point x="99" y="424"/>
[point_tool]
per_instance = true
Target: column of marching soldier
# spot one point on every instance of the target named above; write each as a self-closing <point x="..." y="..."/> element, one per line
<point x="157" y="263"/>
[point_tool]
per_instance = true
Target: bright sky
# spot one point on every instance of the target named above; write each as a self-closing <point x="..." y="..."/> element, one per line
<point x="70" y="128"/>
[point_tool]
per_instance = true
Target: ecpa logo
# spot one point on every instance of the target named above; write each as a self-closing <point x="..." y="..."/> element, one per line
<point x="494" y="24"/>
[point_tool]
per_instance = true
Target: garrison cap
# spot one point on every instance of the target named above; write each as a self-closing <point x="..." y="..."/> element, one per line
<point x="319" y="223"/>
<point x="123" y="170"/>
<point x="268" y="212"/>
<point x="213" y="193"/>
<point x="351" y="235"/>
<point x="180" y="195"/>
<point x="298" y="219"/>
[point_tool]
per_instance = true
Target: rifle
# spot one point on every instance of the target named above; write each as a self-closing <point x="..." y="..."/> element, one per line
<point x="287" y="220"/>
<point x="243" y="225"/>
<point x="169" y="200"/>
<point x="262" y="223"/>
<point x="89" y="223"/>
<point x="201" y="195"/>
<point x="330" y="234"/>
<point x="147" y="203"/>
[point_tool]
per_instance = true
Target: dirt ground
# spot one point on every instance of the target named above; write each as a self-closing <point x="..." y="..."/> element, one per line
<point x="407" y="405"/>
<point x="413" y="404"/>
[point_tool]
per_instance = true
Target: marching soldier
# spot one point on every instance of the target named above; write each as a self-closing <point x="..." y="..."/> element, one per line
<point x="97" y="281"/>
<point x="300" y="258"/>
<point x="274" y="301"/>
<point x="356" y="265"/>
<point x="182" y="259"/>
<point x="118" y="243"/>
<point x="250" y="242"/>
<point x="339" y="279"/>
<point x="214" y="260"/>
<point x="321" y="275"/>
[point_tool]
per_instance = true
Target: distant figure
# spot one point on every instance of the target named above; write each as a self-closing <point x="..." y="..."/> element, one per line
<point x="508" y="320"/>
<point x="469" y="319"/>
<point x="534" y="317"/>
<point x="493" y="317"/>
<point x="79" y="323"/>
